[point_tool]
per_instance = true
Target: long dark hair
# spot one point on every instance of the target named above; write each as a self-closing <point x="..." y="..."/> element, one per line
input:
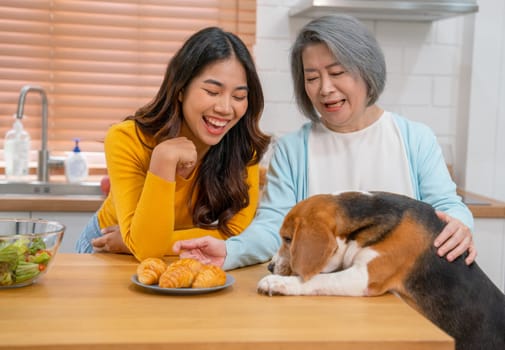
<point x="223" y="190"/>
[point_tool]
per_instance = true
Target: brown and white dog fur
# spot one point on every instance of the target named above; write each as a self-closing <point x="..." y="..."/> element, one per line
<point x="367" y="244"/>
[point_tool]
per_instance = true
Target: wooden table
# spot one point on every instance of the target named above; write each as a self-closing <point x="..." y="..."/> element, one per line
<point x="89" y="302"/>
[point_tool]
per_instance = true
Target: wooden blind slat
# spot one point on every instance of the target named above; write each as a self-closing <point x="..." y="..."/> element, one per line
<point x="98" y="60"/>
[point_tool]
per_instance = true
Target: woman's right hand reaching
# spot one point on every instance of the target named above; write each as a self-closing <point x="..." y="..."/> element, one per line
<point x="208" y="250"/>
<point x="173" y="156"/>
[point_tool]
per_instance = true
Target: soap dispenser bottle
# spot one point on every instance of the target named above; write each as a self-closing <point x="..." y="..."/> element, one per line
<point x="76" y="166"/>
<point x="17" y="152"/>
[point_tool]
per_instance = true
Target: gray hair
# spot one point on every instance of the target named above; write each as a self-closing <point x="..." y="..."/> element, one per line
<point x="352" y="44"/>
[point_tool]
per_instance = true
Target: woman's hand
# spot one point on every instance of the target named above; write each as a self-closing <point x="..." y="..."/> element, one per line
<point x="110" y="242"/>
<point x="208" y="250"/>
<point x="455" y="239"/>
<point x="173" y="156"/>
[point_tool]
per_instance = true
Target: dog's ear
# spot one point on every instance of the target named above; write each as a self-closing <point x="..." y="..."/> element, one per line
<point x="311" y="248"/>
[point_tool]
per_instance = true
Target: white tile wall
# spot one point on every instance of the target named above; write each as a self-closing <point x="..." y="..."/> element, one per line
<point x="407" y="90"/>
<point x="485" y="169"/>
<point x="429" y="70"/>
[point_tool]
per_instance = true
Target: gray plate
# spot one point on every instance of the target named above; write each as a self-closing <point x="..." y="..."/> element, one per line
<point x="183" y="291"/>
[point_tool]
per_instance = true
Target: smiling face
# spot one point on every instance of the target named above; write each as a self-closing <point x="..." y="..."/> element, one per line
<point x="339" y="96"/>
<point x="213" y="102"/>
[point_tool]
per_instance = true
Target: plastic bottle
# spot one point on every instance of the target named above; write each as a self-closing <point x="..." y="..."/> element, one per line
<point x="17" y="153"/>
<point x="76" y="166"/>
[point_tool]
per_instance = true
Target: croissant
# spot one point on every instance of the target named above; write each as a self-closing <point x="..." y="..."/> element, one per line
<point x="150" y="270"/>
<point x="177" y="276"/>
<point x="209" y="276"/>
<point x="193" y="264"/>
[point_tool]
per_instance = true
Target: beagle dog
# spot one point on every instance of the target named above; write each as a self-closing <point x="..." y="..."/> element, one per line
<point x="367" y="244"/>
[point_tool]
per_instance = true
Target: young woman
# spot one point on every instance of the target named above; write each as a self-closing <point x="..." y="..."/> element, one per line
<point x="186" y="164"/>
<point x="350" y="143"/>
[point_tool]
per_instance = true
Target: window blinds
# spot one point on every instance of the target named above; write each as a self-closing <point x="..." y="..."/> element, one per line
<point x="98" y="61"/>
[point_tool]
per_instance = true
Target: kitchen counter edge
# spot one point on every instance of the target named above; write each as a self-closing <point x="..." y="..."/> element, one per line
<point x="488" y="208"/>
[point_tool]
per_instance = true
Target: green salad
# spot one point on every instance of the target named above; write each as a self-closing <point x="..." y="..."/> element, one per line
<point x="22" y="260"/>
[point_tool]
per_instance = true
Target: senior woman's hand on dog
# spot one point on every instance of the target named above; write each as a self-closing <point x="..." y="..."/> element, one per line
<point x="208" y="250"/>
<point x="455" y="239"/>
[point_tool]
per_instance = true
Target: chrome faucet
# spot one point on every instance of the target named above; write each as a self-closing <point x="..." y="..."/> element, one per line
<point x="44" y="159"/>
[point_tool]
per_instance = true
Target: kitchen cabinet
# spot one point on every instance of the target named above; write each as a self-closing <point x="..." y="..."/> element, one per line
<point x="488" y="235"/>
<point x="73" y="221"/>
<point x="72" y="211"/>
<point x="489" y="238"/>
<point x="14" y="214"/>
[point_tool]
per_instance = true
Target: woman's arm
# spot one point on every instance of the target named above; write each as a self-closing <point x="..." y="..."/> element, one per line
<point x="437" y="188"/>
<point x="237" y="224"/>
<point x="144" y="202"/>
<point x="261" y="240"/>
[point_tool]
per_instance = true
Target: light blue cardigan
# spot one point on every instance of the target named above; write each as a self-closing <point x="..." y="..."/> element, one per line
<point x="287" y="184"/>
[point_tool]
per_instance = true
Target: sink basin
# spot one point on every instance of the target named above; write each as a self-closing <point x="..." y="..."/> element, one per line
<point x="50" y="189"/>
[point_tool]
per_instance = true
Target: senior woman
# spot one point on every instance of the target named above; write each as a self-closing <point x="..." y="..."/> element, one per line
<point x="350" y="143"/>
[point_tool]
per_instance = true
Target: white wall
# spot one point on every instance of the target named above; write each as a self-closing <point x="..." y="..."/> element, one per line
<point x="429" y="73"/>
<point x="485" y="170"/>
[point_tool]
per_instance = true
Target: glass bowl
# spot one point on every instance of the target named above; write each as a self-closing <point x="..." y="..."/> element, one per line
<point x="27" y="248"/>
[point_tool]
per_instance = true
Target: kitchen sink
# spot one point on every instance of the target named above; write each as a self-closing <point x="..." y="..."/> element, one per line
<point x="50" y="189"/>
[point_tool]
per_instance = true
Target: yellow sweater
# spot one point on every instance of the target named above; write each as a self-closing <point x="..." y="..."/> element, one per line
<point x="152" y="213"/>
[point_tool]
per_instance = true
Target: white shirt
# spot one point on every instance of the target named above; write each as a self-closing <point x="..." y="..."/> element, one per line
<point x="371" y="159"/>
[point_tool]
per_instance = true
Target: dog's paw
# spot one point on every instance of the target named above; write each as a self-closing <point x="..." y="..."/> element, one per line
<point x="279" y="285"/>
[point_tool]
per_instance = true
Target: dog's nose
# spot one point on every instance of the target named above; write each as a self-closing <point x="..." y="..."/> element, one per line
<point x="271" y="267"/>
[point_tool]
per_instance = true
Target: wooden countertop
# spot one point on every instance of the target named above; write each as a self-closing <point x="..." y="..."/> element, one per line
<point x="88" y="302"/>
<point x="481" y="207"/>
<point x="50" y="203"/>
